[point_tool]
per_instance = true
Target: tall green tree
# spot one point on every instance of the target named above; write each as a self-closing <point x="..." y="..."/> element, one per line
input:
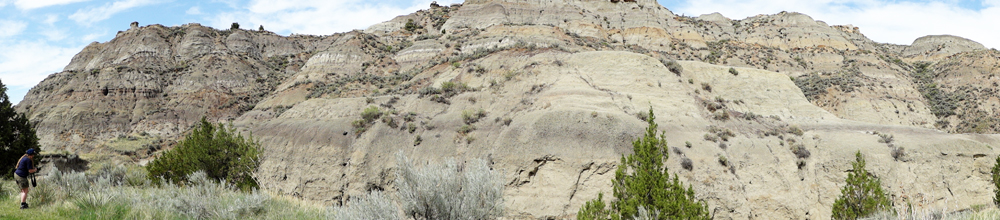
<point x="863" y="195"/>
<point x="221" y="152"/>
<point x="996" y="182"/>
<point x="16" y="134"/>
<point x="642" y="181"/>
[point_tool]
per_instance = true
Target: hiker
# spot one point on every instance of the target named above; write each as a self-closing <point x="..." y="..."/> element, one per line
<point x="23" y="168"/>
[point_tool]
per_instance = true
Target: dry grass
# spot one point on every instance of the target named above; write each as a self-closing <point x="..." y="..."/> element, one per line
<point x="973" y="213"/>
<point x="115" y="193"/>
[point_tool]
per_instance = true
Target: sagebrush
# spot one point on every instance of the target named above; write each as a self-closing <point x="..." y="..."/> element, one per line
<point x="110" y="195"/>
<point x="471" y="190"/>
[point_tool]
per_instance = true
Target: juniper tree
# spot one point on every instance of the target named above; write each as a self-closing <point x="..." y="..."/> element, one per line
<point x="221" y="152"/>
<point x="862" y="196"/>
<point x="642" y="182"/>
<point x="996" y="182"/>
<point x="16" y="134"/>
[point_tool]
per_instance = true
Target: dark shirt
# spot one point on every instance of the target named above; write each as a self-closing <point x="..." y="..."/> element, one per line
<point x="23" y="166"/>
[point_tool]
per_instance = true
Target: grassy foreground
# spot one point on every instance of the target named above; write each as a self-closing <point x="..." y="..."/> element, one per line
<point x="126" y="193"/>
<point x="120" y="195"/>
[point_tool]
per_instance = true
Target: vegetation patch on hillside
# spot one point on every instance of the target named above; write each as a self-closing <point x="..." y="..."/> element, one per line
<point x="815" y="85"/>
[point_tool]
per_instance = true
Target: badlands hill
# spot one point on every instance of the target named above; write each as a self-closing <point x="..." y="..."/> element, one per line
<point x="552" y="94"/>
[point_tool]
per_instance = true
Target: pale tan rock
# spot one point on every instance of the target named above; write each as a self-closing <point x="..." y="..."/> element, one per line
<point x="562" y="83"/>
<point x="935" y="47"/>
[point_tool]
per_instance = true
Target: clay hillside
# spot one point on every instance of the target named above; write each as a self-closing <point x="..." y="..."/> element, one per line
<point x="552" y="92"/>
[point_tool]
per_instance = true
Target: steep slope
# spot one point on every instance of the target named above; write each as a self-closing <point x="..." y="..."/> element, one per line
<point x="562" y="86"/>
<point x="963" y="87"/>
<point x="153" y="82"/>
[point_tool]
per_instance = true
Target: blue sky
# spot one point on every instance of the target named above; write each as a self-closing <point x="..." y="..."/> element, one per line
<point x="39" y="37"/>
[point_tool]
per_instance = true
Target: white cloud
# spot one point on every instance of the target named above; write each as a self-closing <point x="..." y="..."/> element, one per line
<point x="897" y="22"/>
<point x="25" y="63"/>
<point x="95" y="14"/>
<point x="53" y="34"/>
<point x="11" y="28"/>
<point x="989" y="3"/>
<point x="33" y="4"/>
<point x="317" y="17"/>
<point x="51" y="19"/>
<point x="193" y="11"/>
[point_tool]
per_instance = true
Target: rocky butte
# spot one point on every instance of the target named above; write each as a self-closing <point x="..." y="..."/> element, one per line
<point x="562" y="85"/>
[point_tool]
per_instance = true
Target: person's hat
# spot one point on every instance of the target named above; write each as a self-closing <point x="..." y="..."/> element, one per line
<point x="31" y="151"/>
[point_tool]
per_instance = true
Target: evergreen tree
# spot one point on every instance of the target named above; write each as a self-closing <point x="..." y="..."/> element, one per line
<point x="996" y="182"/>
<point x="862" y="196"/>
<point x="16" y="134"/>
<point x="221" y="152"/>
<point x="642" y="181"/>
<point x="594" y="209"/>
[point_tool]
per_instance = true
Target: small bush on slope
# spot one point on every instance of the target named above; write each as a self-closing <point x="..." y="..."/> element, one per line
<point x="221" y="152"/>
<point x="862" y="196"/>
<point x="643" y="187"/>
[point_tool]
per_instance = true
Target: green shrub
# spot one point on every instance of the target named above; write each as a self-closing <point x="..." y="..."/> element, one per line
<point x="862" y="196"/>
<point x="796" y="130"/>
<point x="469" y="116"/>
<point x="370" y="114"/>
<point x="673" y="66"/>
<point x="733" y="71"/>
<point x="466" y="129"/>
<point x="815" y="85"/>
<point x="409" y="116"/>
<point x="221" y="152"/>
<point x="721" y="115"/>
<point x="410" y="127"/>
<point x="390" y="122"/>
<point x="410" y="26"/>
<point x="449" y="89"/>
<point x="429" y="91"/>
<point x="594" y="209"/>
<point x="642" y="182"/>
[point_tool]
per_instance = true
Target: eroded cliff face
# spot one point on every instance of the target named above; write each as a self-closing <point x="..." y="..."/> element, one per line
<point x="157" y="81"/>
<point x="561" y="84"/>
